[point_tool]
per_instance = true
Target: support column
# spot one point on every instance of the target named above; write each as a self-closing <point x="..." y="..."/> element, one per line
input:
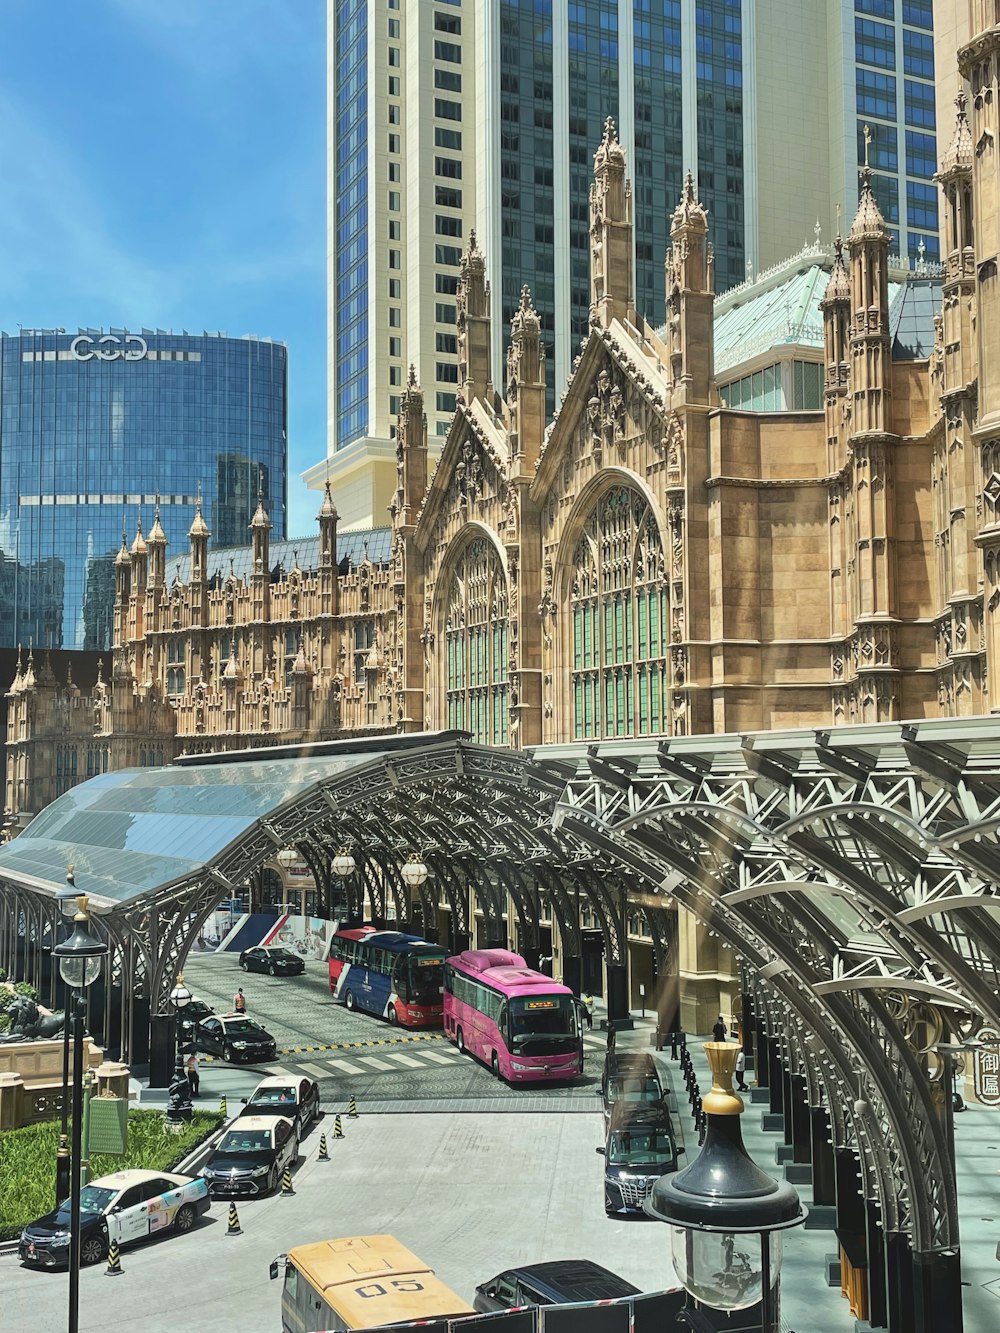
<point x="572" y="972"/>
<point x="824" y="1176"/>
<point x="878" y="1296"/>
<point x="776" y="1078"/>
<point x="618" y="991"/>
<point x="899" y="1287"/>
<point x="799" y="1116"/>
<point x="937" y="1292"/>
<point x="161" y="1050"/>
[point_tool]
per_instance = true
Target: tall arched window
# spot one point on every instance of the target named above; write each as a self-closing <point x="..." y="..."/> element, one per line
<point x="476" y="640"/>
<point x="620" y="612"/>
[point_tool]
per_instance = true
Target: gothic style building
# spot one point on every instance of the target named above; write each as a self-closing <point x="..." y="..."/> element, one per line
<point x="648" y="562"/>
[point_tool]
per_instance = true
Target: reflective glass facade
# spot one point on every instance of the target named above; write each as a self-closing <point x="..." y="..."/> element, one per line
<point x="93" y="427"/>
<point x="894" y="89"/>
<point x="350" y="223"/>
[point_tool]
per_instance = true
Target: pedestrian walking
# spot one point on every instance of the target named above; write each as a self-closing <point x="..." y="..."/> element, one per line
<point x="611" y="1036"/>
<point x="588" y="1008"/>
<point x="741" y="1064"/>
<point x="240" y="1002"/>
<point x="194" y="1078"/>
<point x="719" y="1031"/>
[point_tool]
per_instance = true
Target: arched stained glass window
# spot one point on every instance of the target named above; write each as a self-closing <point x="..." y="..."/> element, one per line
<point x="620" y="618"/>
<point x="476" y="640"/>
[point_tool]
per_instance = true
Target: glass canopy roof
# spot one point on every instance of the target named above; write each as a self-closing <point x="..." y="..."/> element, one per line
<point x="140" y="829"/>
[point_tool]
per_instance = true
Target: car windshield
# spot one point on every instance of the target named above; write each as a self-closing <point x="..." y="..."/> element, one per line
<point x="273" y="1097"/>
<point x="634" y="1089"/>
<point x="641" y="1145"/>
<point x="242" y="1027"/>
<point x="544" y="1016"/>
<point x="281" y="955"/>
<point x="245" y="1140"/>
<point x="94" y="1200"/>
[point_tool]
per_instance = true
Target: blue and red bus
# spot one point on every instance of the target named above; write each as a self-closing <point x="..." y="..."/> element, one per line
<point x="521" y="1023"/>
<point x="387" y="973"/>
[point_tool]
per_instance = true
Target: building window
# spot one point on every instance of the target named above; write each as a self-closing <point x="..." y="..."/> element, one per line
<point x="395" y="375"/>
<point x="446" y="373"/>
<point x="446" y="283"/>
<point x="175" y="666"/>
<point x="393" y="85"/>
<point x="394" y="404"/>
<point x="445" y="197"/>
<point x="395" y="320"/>
<point x="447" y="254"/>
<point x="393" y="201"/>
<point x="393" y="143"/>
<point x="448" y="138"/>
<point x="394" y="114"/>
<point x="445" y="402"/>
<point x="394" y="172"/>
<point x="394" y="28"/>
<point x="394" y="259"/>
<point x="448" y="81"/>
<point x="619" y="622"/>
<point x="395" y="347"/>
<point x="476" y="645"/>
<point x="450" y="167"/>
<point x="393" y="231"/>
<point x="394" y="57"/>
<point x="446" y="342"/>
<point x="444" y="314"/>
<point x="448" y="226"/>
<point x="445" y="110"/>
<point x="448" y="51"/>
<point x="395" y="289"/>
<point x="448" y="23"/>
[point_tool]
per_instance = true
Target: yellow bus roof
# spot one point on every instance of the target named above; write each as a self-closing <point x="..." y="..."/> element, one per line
<point x="357" y="1276"/>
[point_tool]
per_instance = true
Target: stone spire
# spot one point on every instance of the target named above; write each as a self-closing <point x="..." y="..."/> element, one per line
<point x="612" y="286"/>
<point x="411" y="454"/>
<point x="690" y="296"/>
<point x="473" y="323"/>
<point x="525" y="386"/>
<point x="868" y="242"/>
<point x="836" y="308"/>
<point x="157" y="545"/>
<point x="139" y="561"/>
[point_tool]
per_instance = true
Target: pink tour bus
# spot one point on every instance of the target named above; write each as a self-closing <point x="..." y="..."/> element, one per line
<point x="521" y="1023"/>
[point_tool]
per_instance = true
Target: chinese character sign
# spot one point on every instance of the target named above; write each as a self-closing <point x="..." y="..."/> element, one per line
<point x="986" y="1067"/>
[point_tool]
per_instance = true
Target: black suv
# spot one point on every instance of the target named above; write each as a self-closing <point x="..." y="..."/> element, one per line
<point x="297" y="1099"/>
<point x="189" y="1017"/>
<point x="629" y="1077"/>
<point x="235" y="1037"/>
<point x="557" y="1283"/>
<point x="639" y="1149"/>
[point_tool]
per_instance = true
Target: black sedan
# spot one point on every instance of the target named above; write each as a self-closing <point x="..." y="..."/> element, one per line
<point x="297" y="1099"/>
<point x="129" y="1205"/>
<point x="189" y="1018"/>
<point x="251" y="1156"/>
<point x="275" y="962"/>
<point x="235" y="1037"/>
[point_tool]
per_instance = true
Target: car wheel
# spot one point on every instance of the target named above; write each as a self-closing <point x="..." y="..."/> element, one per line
<point x="349" y="1000"/>
<point x="245" y="965"/>
<point x="270" y="969"/>
<point x="227" y="1053"/>
<point x="460" y="1040"/>
<point x="495" y="1064"/>
<point x="93" y="1248"/>
<point x="184" y="1220"/>
<point x="393" y="1016"/>
<point x="273" y="1181"/>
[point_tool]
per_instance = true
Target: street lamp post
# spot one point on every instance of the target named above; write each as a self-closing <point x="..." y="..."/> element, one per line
<point x="726" y="1214"/>
<point x="343" y="866"/>
<point x="179" y="1107"/>
<point x="80" y="958"/>
<point x="414" y="874"/>
<point x="67" y="903"/>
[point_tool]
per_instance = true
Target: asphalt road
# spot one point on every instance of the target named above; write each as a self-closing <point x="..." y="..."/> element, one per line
<point x="360" y="1055"/>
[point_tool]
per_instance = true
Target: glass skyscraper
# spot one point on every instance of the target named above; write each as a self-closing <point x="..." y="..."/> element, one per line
<point x="449" y="115"/>
<point x="95" y="428"/>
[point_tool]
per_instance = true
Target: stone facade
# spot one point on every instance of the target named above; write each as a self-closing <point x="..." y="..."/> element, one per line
<point x="648" y="562"/>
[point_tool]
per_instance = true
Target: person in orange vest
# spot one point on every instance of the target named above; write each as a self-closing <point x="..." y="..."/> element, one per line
<point x="240" y="1002"/>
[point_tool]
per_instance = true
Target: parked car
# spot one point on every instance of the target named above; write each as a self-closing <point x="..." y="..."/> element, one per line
<point x="556" y="1283"/>
<point x="235" y="1037"/>
<point x="297" y="1099"/>
<point x="275" y="962"/>
<point x="639" y="1149"/>
<point x="631" y="1077"/>
<point x="251" y="1156"/>
<point x="190" y="1016"/>
<point x="129" y="1205"/>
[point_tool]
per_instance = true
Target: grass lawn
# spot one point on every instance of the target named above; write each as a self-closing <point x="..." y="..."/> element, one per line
<point x="28" y="1161"/>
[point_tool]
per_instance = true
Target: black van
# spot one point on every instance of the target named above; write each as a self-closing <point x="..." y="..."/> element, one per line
<point x="630" y="1077"/>
<point x="639" y="1149"/>
<point x="559" y="1282"/>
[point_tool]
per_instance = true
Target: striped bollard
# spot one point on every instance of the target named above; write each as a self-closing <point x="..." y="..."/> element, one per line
<point x="223" y="1109"/>
<point x="338" y="1129"/>
<point x="286" y="1183"/>
<point x="234" y="1228"/>
<point x="324" y="1151"/>
<point x="352" y="1108"/>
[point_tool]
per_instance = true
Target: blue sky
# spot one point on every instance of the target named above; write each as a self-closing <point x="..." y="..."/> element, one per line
<point x="162" y="163"/>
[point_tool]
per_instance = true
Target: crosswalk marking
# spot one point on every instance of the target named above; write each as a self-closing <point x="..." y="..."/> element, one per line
<point x="318" y="1071"/>
<point x="439" y="1057"/>
<point x="402" y="1059"/>
<point x="346" y="1067"/>
<point x="372" y="1061"/>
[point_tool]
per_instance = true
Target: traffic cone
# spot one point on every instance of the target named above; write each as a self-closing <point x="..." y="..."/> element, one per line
<point x="114" y="1268"/>
<point x="352" y="1108"/>
<point x="223" y="1109"/>
<point x="234" y="1228"/>
<point x="338" y="1129"/>
<point x="286" y="1183"/>
<point x="324" y="1151"/>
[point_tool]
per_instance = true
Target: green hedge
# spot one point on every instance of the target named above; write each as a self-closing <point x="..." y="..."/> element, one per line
<point x="28" y="1161"/>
